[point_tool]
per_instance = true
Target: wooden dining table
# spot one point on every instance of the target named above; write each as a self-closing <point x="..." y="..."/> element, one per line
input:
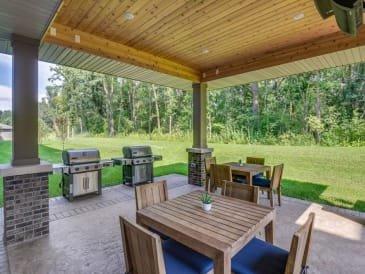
<point x="218" y="234"/>
<point x="249" y="170"/>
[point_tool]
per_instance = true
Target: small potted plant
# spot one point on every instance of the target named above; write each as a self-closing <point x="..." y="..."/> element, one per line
<point x="206" y="201"/>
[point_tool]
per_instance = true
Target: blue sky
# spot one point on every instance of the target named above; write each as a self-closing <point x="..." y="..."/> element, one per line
<point x="5" y="80"/>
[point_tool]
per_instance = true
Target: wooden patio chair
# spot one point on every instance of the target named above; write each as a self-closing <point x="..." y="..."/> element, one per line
<point x="261" y="257"/>
<point x="274" y="184"/>
<point x="150" y="194"/>
<point x="255" y="160"/>
<point x="208" y="162"/>
<point x="241" y="191"/>
<point x="218" y="175"/>
<point x="145" y="254"/>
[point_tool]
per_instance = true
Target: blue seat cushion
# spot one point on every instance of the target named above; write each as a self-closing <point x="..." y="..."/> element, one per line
<point x="259" y="257"/>
<point x="240" y="179"/>
<point x="162" y="236"/>
<point x="263" y="182"/>
<point x="174" y="265"/>
<point x="200" y="263"/>
<point x="260" y="175"/>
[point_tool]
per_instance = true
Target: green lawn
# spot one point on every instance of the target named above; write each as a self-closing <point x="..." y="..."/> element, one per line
<point x="330" y="175"/>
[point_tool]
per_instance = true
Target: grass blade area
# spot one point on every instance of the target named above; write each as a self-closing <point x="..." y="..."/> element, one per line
<point x="327" y="175"/>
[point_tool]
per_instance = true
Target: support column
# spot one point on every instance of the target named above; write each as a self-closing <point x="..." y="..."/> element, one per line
<point x="200" y="100"/>
<point x="200" y="150"/>
<point x="26" y="210"/>
<point x="25" y="101"/>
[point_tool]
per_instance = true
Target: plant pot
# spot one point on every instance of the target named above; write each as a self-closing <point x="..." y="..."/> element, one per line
<point x="207" y="207"/>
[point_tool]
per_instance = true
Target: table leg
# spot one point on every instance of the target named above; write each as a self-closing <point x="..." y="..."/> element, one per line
<point x="269" y="232"/>
<point x="249" y="179"/>
<point x="268" y="174"/>
<point x="222" y="264"/>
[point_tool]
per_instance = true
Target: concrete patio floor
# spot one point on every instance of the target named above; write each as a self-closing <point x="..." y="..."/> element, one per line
<point x="85" y="235"/>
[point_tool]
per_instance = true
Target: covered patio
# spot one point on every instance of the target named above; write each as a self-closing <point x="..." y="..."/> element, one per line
<point x="85" y="235"/>
<point x="191" y="45"/>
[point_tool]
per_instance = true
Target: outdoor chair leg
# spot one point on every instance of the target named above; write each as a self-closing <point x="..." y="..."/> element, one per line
<point x="271" y="194"/>
<point x="268" y="195"/>
<point x="279" y="196"/>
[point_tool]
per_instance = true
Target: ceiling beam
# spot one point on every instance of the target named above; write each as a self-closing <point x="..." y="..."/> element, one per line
<point x="326" y="44"/>
<point x="65" y="36"/>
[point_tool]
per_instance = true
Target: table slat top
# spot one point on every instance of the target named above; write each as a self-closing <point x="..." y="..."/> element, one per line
<point x="248" y="167"/>
<point x="229" y="222"/>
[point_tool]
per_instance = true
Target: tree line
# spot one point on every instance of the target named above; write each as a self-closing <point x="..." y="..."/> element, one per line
<point x="325" y="107"/>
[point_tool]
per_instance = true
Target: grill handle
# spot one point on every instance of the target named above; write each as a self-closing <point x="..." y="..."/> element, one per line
<point x="85" y="183"/>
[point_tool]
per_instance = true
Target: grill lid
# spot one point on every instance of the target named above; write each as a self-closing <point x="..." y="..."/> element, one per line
<point x="137" y="151"/>
<point x="80" y="156"/>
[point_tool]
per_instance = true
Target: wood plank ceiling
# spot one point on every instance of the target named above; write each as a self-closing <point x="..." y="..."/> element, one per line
<point x="197" y="39"/>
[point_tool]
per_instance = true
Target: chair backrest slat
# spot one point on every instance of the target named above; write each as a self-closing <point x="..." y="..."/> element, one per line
<point x="208" y="161"/>
<point x="150" y="194"/>
<point x="255" y="160"/>
<point x="142" y="249"/>
<point x="299" y="249"/>
<point x="241" y="191"/>
<point x="219" y="174"/>
<point x="276" y="176"/>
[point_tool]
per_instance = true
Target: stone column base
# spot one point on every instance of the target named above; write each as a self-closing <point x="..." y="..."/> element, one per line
<point x="26" y="208"/>
<point x="196" y="165"/>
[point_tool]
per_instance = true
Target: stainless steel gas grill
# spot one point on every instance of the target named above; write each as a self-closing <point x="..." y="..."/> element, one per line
<point x="81" y="173"/>
<point x="137" y="164"/>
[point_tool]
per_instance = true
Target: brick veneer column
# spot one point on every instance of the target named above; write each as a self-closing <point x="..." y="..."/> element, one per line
<point x="26" y="209"/>
<point x="196" y="165"/>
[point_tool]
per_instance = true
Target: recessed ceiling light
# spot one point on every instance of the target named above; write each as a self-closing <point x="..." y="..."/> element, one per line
<point x="205" y="51"/>
<point x="128" y="15"/>
<point x="298" y="16"/>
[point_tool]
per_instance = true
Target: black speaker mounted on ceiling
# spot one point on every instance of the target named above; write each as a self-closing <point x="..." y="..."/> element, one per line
<point x="348" y="13"/>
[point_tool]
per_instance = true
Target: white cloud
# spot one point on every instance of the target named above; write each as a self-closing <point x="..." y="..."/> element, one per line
<point x="5" y="98"/>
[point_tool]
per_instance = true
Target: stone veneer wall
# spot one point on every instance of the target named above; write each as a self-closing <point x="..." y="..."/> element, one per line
<point x="196" y="167"/>
<point x="26" y="209"/>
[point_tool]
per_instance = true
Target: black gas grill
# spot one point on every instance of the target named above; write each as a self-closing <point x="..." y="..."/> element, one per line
<point x="137" y="164"/>
<point x="81" y="173"/>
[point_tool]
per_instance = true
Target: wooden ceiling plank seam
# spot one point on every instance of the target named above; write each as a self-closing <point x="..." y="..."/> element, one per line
<point x="228" y="29"/>
<point x="63" y="15"/>
<point x="171" y="7"/>
<point x="97" y="12"/>
<point x="254" y="43"/>
<point x="190" y="7"/>
<point x="142" y="14"/>
<point x="221" y="23"/>
<point x="194" y="18"/>
<point x="138" y="7"/>
<point x="102" y="16"/>
<point x="245" y="47"/>
<point x="107" y="26"/>
<point x="75" y="12"/>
